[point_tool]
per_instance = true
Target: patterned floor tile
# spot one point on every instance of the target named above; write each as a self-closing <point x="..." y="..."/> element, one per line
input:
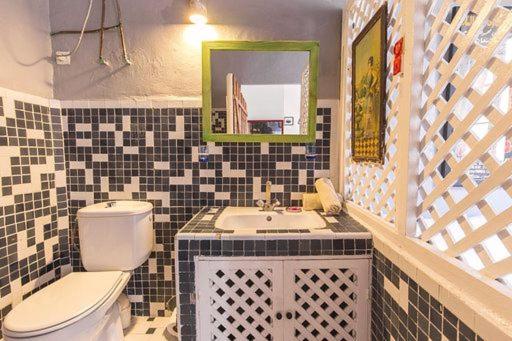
<point x="148" y="329"/>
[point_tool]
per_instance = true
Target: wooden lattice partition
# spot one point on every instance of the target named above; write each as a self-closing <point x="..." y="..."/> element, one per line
<point x="372" y="186"/>
<point x="464" y="204"/>
<point x="453" y="109"/>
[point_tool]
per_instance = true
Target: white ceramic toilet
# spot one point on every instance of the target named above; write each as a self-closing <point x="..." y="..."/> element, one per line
<point x="115" y="238"/>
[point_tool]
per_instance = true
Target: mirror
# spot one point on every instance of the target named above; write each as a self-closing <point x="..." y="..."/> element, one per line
<point x="259" y="91"/>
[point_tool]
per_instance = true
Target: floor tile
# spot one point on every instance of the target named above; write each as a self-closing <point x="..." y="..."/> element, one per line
<point x="147" y="329"/>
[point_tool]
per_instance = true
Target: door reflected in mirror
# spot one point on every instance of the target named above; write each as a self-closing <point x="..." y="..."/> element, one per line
<point x="260" y="89"/>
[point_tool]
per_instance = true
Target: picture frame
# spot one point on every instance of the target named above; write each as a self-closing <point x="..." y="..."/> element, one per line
<point x="369" y="75"/>
<point x="289" y="120"/>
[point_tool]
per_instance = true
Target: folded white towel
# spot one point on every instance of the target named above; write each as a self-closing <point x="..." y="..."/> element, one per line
<point x="328" y="197"/>
<point x="311" y="201"/>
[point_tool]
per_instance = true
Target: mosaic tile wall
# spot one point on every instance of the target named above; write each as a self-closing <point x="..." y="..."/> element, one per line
<point x="152" y="154"/>
<point x="403" y="310"/>
<point x="219" y="125"/>
<point x="33" y="202"/>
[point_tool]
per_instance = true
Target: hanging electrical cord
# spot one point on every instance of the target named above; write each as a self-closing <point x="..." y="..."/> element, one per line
<point x="79" y="42"/>
<point x="102" y="33"/>
<point x="101" y="30"/>
<point x="121" y="33"/>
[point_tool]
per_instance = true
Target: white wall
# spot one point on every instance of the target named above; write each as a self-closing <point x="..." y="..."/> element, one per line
<point x="273" y="102"/>
<point x="292" y="93"/>
<point x="264" y="102"/>
<point x="25" y="47"/>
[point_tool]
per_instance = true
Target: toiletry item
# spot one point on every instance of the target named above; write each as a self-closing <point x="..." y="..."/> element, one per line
<point x="311" y="201"/>
<point x="294" y="209"/>
<point x="310" y="152"/>
<point x="203" y="154"/>
<point x="328" y="196"/>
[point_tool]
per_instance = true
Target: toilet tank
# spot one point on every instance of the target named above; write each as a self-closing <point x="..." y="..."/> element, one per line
<point x="115" y="235"/>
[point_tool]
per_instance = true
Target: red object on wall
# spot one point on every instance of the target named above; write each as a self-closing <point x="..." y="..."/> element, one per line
<point x="398" y="50"/>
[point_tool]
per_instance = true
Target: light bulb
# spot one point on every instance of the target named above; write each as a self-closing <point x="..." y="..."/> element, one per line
<point x="198" y="12"/>
<point x="198" y="19"/>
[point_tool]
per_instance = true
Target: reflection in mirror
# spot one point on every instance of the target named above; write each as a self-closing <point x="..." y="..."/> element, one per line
<point x="260" y="92"/>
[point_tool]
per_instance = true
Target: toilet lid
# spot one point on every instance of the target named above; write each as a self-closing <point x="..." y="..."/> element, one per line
<point x="77" y="294"/>
<point x="114" y="209"/>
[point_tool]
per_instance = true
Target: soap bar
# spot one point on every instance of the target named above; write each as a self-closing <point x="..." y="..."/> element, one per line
<point x="294" y="209"/>
<point x="311" y="201"/>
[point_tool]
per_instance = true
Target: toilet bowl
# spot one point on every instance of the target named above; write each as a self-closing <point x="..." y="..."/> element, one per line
<point x="115" y="238"/>
<point x="80" y="306"/>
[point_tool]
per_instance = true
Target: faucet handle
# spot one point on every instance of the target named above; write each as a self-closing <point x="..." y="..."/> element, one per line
<point x="276" y="203"/>
<point x="260" y="203"/>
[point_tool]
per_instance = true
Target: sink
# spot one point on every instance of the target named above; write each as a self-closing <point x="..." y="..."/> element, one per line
<point x="252" y="218"/>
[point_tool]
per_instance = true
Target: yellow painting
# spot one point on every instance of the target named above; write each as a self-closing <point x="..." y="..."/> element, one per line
<point x="368" y="90"/>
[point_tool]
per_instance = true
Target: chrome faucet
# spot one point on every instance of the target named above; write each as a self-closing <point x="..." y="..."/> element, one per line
<point x="269" y="204"/>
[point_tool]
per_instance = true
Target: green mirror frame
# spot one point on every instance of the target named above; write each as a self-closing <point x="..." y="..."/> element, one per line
<point x="312" y="46"/>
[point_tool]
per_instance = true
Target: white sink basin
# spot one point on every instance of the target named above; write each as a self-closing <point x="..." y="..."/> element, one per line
<point x="252" y="218"/>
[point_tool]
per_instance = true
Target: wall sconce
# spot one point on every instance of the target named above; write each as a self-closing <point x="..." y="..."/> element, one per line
<point x="198" y="12"/>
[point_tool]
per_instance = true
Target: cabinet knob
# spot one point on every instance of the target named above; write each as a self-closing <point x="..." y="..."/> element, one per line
<point x="279" y="316"/>
<point x="289" y="315"/>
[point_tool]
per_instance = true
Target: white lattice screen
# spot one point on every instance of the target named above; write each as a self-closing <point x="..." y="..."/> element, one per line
<point x="370" y="186"/>
<point x="239" y="300"/>
<point x="286" y="299"/>
<point x="464" y="194"/>
<point x="325" y="304"/>
<point x="464" y="199"/>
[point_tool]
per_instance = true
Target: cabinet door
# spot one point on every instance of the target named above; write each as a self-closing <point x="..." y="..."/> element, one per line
<point x="239" y="300"/>
<point x="326" y="300"/>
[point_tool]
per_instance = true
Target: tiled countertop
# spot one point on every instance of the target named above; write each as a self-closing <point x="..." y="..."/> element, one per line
<point x="202" y="226"/>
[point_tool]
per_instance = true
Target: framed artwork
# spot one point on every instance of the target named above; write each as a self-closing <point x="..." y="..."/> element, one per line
<point x="273" y="127"/>
<point x="369" y="90"/>
<point x="288" y="120"/>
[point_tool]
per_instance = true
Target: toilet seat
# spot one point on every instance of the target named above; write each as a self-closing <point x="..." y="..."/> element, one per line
<point x="77" y="297"/>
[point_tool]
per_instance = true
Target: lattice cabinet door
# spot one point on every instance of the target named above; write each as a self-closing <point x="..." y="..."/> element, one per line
<point x="239" y="299"/>
<point x="326" y="300"/>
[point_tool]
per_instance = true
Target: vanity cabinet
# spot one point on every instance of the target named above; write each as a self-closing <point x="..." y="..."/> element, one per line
<point x="282" y="298"/>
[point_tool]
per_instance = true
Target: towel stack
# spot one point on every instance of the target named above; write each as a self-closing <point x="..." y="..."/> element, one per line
<point x="329" y="199"/>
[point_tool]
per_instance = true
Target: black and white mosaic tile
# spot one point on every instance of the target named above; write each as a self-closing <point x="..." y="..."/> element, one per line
<point x="149" y="329"/>
<point x="33" y="202"/>
<point x="418" y="316"/>
<point x="219" y="125"/>
<point x="152" y="154"/>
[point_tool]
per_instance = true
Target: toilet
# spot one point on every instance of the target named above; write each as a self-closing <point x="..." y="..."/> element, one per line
<point x="115" y="238"/>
